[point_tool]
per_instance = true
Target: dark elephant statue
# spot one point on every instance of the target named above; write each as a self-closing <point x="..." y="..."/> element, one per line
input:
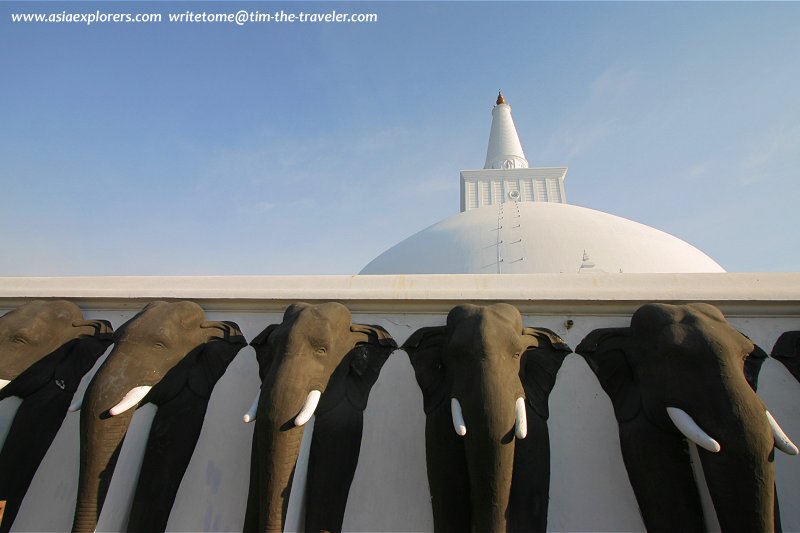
<point x="167" y="354"/>
<point x="315" y="362"/>
<point x="684" y="371"/>
<point x="490" y="378"/>
<point x="787" y="351"/>
<point x="45" y="349"/>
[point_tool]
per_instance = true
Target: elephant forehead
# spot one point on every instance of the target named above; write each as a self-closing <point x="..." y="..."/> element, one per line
<point x="706" y="310"/>
<point x="40" y="321"/>
<point x="333" y="311"/>
<point x="462" y="312"/>
<point x="480" y="334"/>
<point x="148" y="332"/>
<point x="64" y="310"/>
<point x="652" y="317"/>
<point x="508" y="313"/>
<point x="497" y="313"/>
<point x="183" y="314"/>
<point x="328" y="315"/>
<point x="46" y="312"/>
<point x="694" y="327"/>
<point x="33" y="330"/>
<point x="29" y="327"/>
<point x="655" y="316"/>
<point x="189" y="313"/>
<point x="312" y="329"/>
<point x="702" y="336"/>
<point x="165" y="322"/>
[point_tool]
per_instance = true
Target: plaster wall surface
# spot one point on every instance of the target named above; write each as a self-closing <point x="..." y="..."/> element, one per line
<point x="589" y="487"/>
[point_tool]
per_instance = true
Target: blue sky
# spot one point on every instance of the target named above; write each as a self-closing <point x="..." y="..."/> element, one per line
<point x="149" y="149"/>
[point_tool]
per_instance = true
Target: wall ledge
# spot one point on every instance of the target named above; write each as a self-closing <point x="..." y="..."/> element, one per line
<point x="572" y="294"/>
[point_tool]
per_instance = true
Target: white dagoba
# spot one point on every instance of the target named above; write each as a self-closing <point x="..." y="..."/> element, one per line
<point x="514" y="219"/>
<point x="506" y="176"/>
<point x="505" y="150"/>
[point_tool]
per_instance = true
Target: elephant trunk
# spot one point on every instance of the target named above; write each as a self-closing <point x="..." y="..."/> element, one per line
<point x="279" y="430"/>
<point x="489" y="415"/>
<point x="743" y="470"/>
<point x="115" y="384"/>
<point x="101" y="440"/>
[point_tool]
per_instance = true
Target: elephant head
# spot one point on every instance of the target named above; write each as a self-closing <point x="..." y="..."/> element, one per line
<point x="787" y="351"/>
<point x="161" y="355"/>
<point x="485" y="383"/>
<point x="314" y="362"/>
<point x="680" y="371"/>
<point x="45" y="349"/>
<point x="36" y="338"/>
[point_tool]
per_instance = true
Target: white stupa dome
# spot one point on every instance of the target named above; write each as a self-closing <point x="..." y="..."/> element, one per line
<point x="515" y="220"/>
<point x="539" y="237"/>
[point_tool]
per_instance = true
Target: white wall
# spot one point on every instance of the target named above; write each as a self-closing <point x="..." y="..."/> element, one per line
<point x="589" y="487"/>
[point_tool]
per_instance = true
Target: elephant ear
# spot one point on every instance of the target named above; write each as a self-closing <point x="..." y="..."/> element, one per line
<point x="214" y="358"/>
<point x="543" y="355"/>
<point x="224" y="330"/>
<point x="38" y="374"/>
<point x="752" y="365"/>
<point x="97" y="329"/>
<point x="201" y="368"/>
<point x="374" y="335"/>
<point x="95" y="338"/>
<point x="264" y="356"/>
<point x="606" y="351"/>
<point x="175" y="380"/>
<point x="787" y="351"/>
<point x="373" y="346"/>
<point x="425" y="349"/>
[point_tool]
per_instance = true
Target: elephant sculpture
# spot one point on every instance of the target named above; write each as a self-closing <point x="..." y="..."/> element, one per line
<point x="45" y="349"/>
<point x="315" y="362"/>
<point x="683" y="371"/>
<point x="787" y="351"/>
<point x="167" y="354"/>
<point x="485" y="382"/>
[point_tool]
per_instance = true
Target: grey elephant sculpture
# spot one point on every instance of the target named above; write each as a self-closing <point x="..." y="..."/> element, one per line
<point x="167" y="354"/>
<point x="315" y="362"/>
<point x="45" y="349"/>
<point x="787" y="351"/>
<point x="485" y="383"/>
<point x="680" y="371"/>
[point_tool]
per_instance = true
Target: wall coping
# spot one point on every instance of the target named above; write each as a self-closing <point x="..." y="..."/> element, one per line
<point x="571" y="294"/>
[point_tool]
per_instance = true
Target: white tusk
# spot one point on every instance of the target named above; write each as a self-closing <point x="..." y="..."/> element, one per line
<point x="250" y="415"/>
<point x="521" y="425"/>
<point x="308" y="408"/>
<point x="691" y="430"/>
<point x="782" y="442"/>
<point x="77" y="403"/>
<point x="133" y="397"/>
<point x="4" y="382"/>
<point x="458" y="417"/>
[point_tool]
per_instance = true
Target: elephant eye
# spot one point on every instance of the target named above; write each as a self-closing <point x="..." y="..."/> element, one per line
<point x="321" y="351"/>
<point x="516" y="355"/>
<point x="19" y="340"/>
<point x="159" y="346"/>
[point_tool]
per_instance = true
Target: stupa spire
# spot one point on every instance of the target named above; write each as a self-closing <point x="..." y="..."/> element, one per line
<point x="505" y="150"/>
